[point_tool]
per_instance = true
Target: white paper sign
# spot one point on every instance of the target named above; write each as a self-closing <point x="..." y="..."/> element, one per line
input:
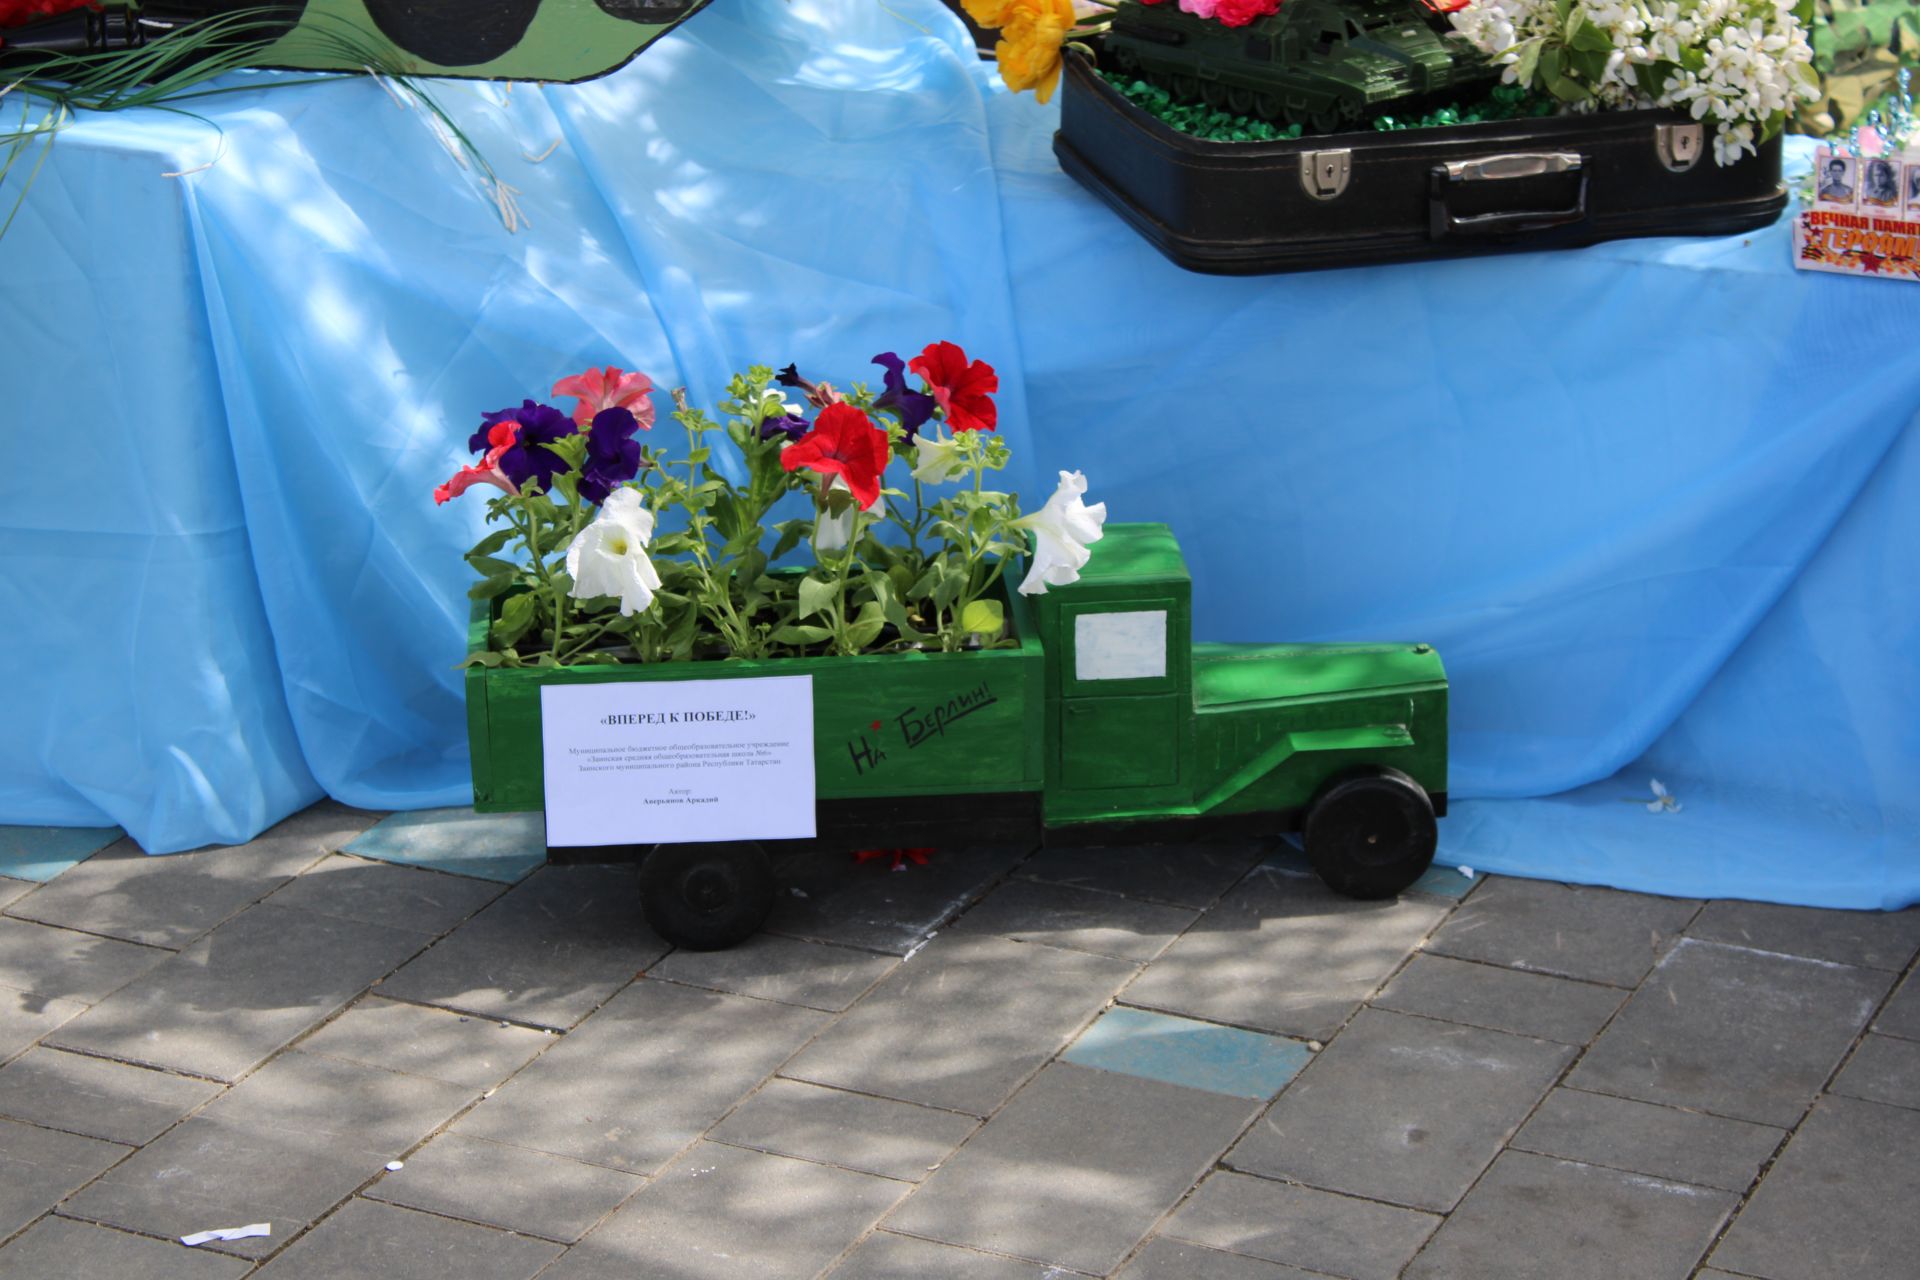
<point x="671" y="761"/>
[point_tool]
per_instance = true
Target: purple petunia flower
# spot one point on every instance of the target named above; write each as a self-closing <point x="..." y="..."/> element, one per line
<point x="613" y="455"/>
<point x="912" y="407"/>
<point x="540" y="424"/>
<point x="478" y="441"/>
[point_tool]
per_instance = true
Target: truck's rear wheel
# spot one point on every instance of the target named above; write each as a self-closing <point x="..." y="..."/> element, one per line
<point x="1371" y="834"/>
<point x="706" y="897"/>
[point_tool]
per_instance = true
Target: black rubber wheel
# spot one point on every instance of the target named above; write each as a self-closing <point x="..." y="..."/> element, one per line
<point x="706" y="897"/>
<point x="1371" y="834"/>
<point x="1185" y="88"/>
<point x="1240" y="101"/>
<point x="1325" y="120"/>
<point x="1269" y="107"/>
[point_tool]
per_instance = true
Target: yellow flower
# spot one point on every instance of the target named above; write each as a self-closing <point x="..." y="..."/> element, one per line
<point x="986" y="13"/>
<point x="1031" y="32"/>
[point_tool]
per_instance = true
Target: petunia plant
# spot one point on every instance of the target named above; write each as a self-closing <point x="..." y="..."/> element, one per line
<point x="612" y="549"/>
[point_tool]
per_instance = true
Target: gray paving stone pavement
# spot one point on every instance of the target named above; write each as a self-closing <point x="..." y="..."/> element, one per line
<point x="97" y="1097"/>
<point x="168" y="902"/>
<point x="1283" y="953"/>
<point x="235" y="997"/>
<point x="1076" y="1169"/>
<point x="547" y="952"/>
<point x="1748" y="1034"/>
<point x="1537" y="1216"/>
<point x="1302" y="1227"/>
<point x="506" y="1187"/>
<point x="852" y="1130"/>
<point x="1837" y="1203"/>
<point x="1536" y="1080"/>
<point x="366" y="1238"/>
<point x="1664" y="1142"/>
<point x="425" y="1041"/>
<point x="789" y="970"/>
<point x="723" y="1213"/>
<point x="1402" y="1109"/>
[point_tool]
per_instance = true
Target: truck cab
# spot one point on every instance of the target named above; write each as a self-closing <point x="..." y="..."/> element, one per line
<point x="1150" y="735"/>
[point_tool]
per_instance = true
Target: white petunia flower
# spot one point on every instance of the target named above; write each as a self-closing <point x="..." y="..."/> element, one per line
<point x="1061" y="531"/>
<point x="609" y="556"/>
<point x="833" y="529"/>
<point x="938" y="459"/>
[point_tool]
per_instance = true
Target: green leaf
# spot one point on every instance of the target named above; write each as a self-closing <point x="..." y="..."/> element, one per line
<point x="791" y="531"/>
<point x="485" y="658"/>
<point x="984" y="617"/>
<point x="488" y="588"/>
<point x="491" y="543"/>
<point x="1589" y="38"/>
<point x="1528" y="62"/>
<point x="798" y="634"/>
<point x="953" y="580"/>
<point x="865" y="631"/>
<point x="489" y="566"/>
<point x="816" y="596"/>
<point x="516" y="617"/>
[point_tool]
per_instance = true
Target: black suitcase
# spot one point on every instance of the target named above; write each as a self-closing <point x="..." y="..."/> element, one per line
<point x="1349" y="198"/>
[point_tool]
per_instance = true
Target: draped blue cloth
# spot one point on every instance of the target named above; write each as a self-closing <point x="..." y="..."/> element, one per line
<point x="1650" y="500"/>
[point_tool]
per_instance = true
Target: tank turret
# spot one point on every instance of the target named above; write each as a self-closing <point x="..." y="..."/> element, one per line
<point x="1324" y="64"/>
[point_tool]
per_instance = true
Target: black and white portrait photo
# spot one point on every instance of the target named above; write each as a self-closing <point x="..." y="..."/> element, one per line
<point x="1835" y="171"/>
<point x="1880" y="183"/>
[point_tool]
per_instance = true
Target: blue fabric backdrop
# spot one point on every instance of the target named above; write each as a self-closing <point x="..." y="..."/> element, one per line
<point x="1646" y="498"/>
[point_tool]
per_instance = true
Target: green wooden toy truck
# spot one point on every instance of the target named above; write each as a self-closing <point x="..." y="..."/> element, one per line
<point x="1103" y="724"/>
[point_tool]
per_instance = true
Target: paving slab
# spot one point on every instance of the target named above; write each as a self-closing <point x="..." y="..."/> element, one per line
<point x="366" y="1238"/>
<point x="169" y="901"/>
<point x="1199" y="1055"/>
<point x="97" y="1097"/>
<point x="1448" y="882"/>
<point x="502" y="847"/>
<point x="1571" y="931"/>
<point x="425" y="1041"/>
<point x="963" y="1023"/>
<point x="1748" y="1034"/>
<point x="789" y="970"/>
<point x="1485" y="995"/>
<point x="1639" y="1137"/>
<point x="60" y="962"/>
<point x="1302" y="1227"/>
<point x="1284" y="953"/>
<point x="1870" y="939"/>
<point x="232" y="999"/>
<point x="644" y="1076"/>
<point x="41" y="1167"/>
<point x="25" y="1017"/>
<point x="1076" y="1169"/>
<point x="61" y="1249"/>
<point x="852" y="1130"/>
<point x="1079" y="919"/>
<point x="365" y="1107"/>
<point x="1185" y="875"/>
<point x="1402" y="1109"/>
<point x="886" y="1256"/>
<point x="204" y="1173"/>
<point x="547" y="952"/>
<point x="1164" y="1259"/>
<point x="508" y="1187"/>
<point x="864" y="905"/>
<point x="1901" y="1016"/>
<point x="1883" y="1069"/>
<point x="41" y="853"/>
<point x="724" y="1213"/>
<point x="1535" y="1216"/>
<point x="378" y="893"/>
<point x="1838" y="1202"/>
<point x="12" y="890"/>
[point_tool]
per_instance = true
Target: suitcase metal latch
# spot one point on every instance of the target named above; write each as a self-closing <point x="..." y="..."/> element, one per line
<point x="1324" y="173"/>
<point x="1678" y="144"/>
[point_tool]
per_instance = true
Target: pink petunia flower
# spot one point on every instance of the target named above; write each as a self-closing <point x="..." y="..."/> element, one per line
<point x="488" y="472"/>
<point x="609" y="388"/>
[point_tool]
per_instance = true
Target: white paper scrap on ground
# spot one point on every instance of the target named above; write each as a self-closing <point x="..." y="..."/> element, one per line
<point x="229" y="1233"/>
<point x="668" y="761"/>
<point x="394" y="1166"/>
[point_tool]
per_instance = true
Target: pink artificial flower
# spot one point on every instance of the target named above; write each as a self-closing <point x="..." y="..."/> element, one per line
<point x="1871" y="143"/>
<point x="1199" y="8"/>
<point x="500" y="438"/>
<point x="609" y="388"/>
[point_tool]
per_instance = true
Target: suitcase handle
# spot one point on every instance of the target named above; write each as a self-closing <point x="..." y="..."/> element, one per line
<point x="1442" y="222"/>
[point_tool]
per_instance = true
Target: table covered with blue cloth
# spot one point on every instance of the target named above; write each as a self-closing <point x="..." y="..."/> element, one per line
<point x="1654" y="501"/>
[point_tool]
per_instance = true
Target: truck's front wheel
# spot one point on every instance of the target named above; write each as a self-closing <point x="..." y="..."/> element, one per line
<point x="1371" y="834"/>
<point x="706" y="897"/>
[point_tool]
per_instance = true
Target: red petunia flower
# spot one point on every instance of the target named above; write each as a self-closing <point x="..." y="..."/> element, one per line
<point x="960" y="388"/>
<point x="845" y="443"/>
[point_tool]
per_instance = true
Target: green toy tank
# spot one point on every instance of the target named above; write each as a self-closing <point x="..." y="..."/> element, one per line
<point x="1324" y="64"/>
